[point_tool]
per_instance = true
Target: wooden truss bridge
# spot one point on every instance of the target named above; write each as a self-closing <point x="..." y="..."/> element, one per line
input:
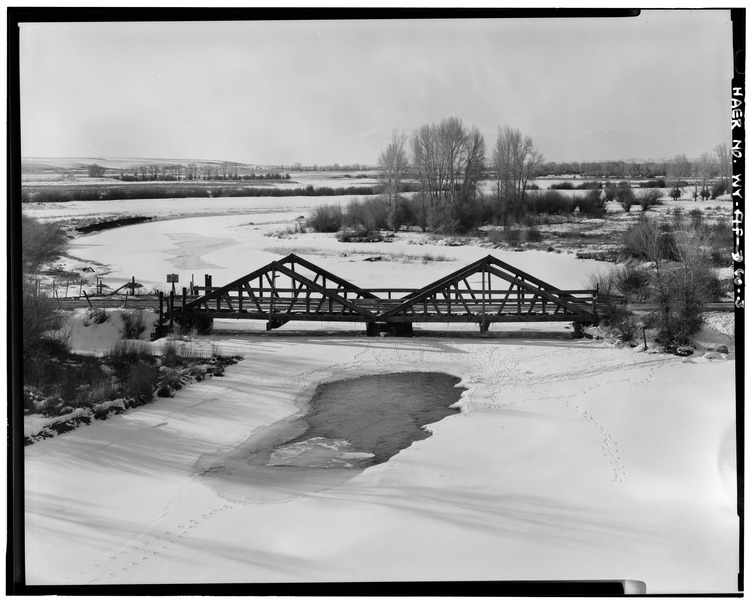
<point x="484" y="292"/>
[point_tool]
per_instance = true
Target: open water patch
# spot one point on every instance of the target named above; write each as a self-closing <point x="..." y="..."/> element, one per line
<point x="347" y="426"/>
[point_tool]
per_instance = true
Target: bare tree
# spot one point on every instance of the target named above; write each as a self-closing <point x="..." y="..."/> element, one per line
<point x="514" y="159"/>
<point x="704" y="170"/>
<point x="474" y="164"/>
<point x="677" y="171"/>
<point x="393" y="165"/>
<point x="725" y="165"/>
<point x="449" y="161"/>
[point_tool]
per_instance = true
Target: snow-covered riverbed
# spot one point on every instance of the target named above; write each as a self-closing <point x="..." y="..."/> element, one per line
<point x="570" y="459"/>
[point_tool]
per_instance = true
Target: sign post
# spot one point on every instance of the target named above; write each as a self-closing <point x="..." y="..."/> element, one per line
<point x="172" y="278"/>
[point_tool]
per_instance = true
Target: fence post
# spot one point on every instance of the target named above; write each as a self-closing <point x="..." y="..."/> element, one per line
<point x="184" y="298"/>
<point x="161" y="308"/>
<point x="171" y="310"/>
<point x="87" y="300"/>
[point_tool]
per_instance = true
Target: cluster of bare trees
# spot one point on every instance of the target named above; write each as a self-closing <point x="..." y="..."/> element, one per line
<point x="191" y="172"/>
<point x="449" y="161"/>
<point x="514" y="160"/>
<point x="680" y="172"/>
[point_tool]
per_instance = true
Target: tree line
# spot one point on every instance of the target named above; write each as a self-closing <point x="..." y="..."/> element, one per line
<point x="450" y="161"/>
<point x="189" y="172"/>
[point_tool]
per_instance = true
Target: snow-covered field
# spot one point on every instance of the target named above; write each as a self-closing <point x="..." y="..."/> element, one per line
<point x="570" y="459"/>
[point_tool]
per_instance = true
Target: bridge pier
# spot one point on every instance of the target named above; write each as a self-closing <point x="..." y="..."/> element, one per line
<point x="405" y="329"/>
<point x="275" y="323"/>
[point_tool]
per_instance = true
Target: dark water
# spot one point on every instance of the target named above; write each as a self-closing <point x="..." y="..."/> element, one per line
<point x="350" y="425"/>
<point x="360" y="422"/>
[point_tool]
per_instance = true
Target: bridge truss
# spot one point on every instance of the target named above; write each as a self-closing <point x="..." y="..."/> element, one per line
<point x="484" y="292"/>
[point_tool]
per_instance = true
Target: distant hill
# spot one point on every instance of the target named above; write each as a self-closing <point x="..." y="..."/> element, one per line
<point x="47" y="163"/>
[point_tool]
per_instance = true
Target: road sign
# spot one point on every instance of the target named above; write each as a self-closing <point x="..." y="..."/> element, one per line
<point x="172" y="278"/>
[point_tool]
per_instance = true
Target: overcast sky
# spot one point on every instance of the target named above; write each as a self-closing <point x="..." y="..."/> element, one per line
<point x="320" y="92"/>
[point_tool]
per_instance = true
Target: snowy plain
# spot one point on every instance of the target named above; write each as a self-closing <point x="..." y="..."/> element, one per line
<point x="569" y="459"/>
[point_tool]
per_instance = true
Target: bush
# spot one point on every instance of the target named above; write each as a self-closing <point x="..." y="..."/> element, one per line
<point x="565" y="185"/>
<point x="609" y="191"/>
<point x="129" y="352"/>
<point x="134" y="322"/>
<point x="651" y="197"/>
<point x="550" y="203"/>
<point x="371" y="213"/>
<point x="38" y="319"/>
<point x="140" y="381"/>
<point x="632" y="283"/>
<point x="97" y="315"/>
<point x="646" y="239"/>
<point x="326" y="218"/>
<point x="625" y="196"/>
<point x="401" y="214"/>
<point x="358" y="234"/>
<point x="614" y="313"/>
<point x="653" y="183"/>
<point x="592" y="204"/>
<point x="40" y="243"/>
<point x="720" y="188"/>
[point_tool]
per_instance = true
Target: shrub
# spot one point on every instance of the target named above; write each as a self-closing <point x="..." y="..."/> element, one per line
<point x="134" y="323"/>
<point x="625" y="196"/>
<point x="632" y="283"/>
<point x="646" y="239"/>
<point x="358" y="234"/>
<point x="469" y="215"/>
<point x="653" y="183"/>
<point x="371" y="213"/>
<point x="720" y="188"/>
<point x="681" y="288"/>
<point x="140" y="381"/>
<point x="609" y="191"/>
<point x="550" y="203"/>
<point x="40" y="243"/>
<point x="565" y="185"/>
<point x="649" y="198"/>
<point x="614" y="313"/>
<point x="401" y="214"/>
<point x="326" y="218"/>
<point x="592" y="204"/>
<point x="97" y="315"/>
<point x="38" y="319"/>
<point x="101" y="391"/>
<point x="129" y="352"/>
